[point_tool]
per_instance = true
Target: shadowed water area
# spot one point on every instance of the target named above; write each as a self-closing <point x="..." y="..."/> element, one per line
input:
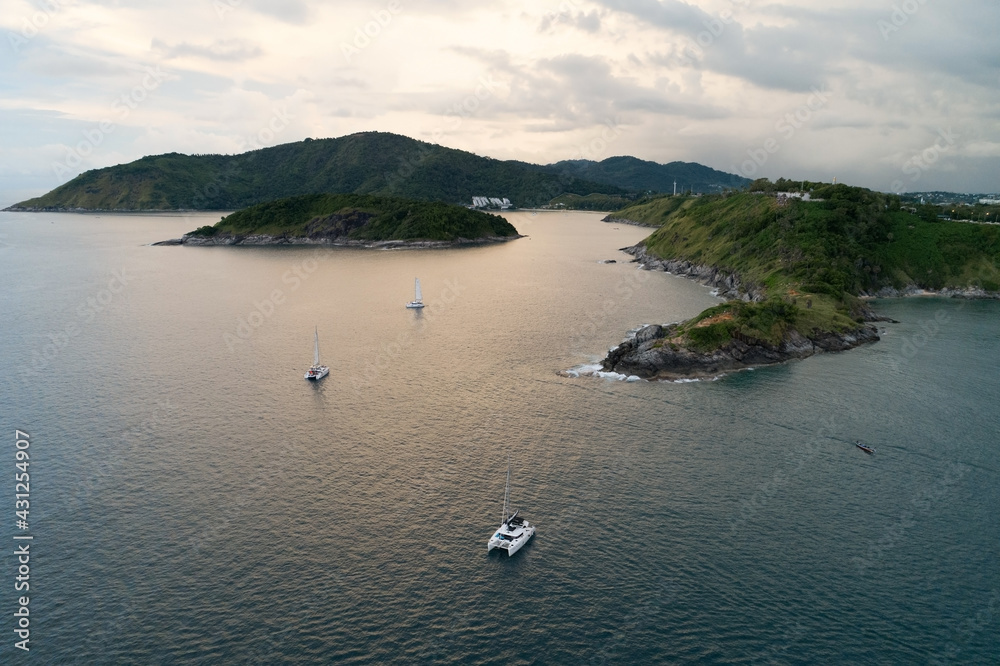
<point x="195" y="500"/>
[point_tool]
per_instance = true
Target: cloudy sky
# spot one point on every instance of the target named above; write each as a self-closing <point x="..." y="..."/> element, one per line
<point x="895" y="95"/>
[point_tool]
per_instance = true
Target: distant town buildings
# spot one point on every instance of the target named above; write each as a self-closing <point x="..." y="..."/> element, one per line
<point x="794" y="195"/>
<point x="491" y="202"/>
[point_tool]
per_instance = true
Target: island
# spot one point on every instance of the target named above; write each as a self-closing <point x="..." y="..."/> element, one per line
<point x="358" y="220"/>
<point x="797" y="263"/>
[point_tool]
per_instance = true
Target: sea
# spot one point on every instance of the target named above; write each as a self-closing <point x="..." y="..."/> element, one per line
<point x="193" y="499"/>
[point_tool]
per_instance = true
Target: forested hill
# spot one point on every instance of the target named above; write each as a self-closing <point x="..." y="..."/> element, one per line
<point x="631" y="173"/>
<point x="366" y="163"/>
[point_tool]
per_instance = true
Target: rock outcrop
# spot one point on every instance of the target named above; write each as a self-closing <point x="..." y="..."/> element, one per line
<point x="729" y="285"/>
<point x="651" y="353"/>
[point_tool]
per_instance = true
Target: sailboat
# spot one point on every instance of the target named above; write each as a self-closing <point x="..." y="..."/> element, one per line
<point x="317" y="371"/>
<point x="418" y="301"/>
<point x="514" y="531"/>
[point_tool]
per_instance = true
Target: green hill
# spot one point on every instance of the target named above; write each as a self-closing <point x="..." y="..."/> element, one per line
<point x="805" y="262"/>
<point x="365" y="163"/>
<point x="357" y="217"/>
<point x="851" y="241"/>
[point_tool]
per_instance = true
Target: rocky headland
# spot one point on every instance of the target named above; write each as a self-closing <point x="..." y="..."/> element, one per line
<point x="669" y="352"/>
<point x="658" y="352"/>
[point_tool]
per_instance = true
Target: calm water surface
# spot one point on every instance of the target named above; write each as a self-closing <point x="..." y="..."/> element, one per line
<point x="195" y="500"/>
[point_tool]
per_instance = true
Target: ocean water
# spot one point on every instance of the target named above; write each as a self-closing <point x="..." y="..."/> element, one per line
<point x="195" y="500"/>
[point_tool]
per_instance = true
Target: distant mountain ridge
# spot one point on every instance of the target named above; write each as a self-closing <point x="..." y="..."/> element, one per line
<point x="375" y="163"/>
<point x="637" y="175"/>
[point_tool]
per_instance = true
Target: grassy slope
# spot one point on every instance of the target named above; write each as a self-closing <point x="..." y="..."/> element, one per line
<point x="818" y="253"/>
<point x="365" y="163"/>
<point x="656" y="211"/>
<point x="391" y="218"/>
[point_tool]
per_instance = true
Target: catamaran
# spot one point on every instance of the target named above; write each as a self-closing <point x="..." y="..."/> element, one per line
<point x="418" y="300"/>
<point x="514" y="531"/>
<point x="317" y="371"/>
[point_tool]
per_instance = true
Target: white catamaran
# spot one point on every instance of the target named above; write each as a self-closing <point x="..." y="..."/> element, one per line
<point x="514" y="531"/>
<point x="317" y="371"/>
<point x="418" y="300"/>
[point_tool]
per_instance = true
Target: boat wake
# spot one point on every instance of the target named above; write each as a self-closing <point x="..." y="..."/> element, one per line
<point x="595" y="370"/>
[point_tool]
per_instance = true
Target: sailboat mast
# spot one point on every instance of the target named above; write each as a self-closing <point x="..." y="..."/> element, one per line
<point x="316" y="348"/>
<point x="416" y="289"/>
<point x="506" y="493"/>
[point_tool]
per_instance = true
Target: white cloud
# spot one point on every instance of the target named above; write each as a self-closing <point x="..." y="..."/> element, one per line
<point x="702" y="82"/>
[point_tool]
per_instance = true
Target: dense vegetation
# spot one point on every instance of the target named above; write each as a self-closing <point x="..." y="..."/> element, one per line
<point x="603" y="202"/>
<point x="813" y="258"/>
<point x="637" y="175"/>
<point x="360" y="217"/>
<point x="365" y="163"/>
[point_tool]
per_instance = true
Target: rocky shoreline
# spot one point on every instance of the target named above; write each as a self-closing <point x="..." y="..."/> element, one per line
<point x="649" y="354"/>
<point x="338" y="241"/>
<point x="729" y="285"/>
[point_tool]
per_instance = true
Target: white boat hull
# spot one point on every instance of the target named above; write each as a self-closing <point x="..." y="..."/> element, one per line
<point x="317" y="372"/>
<point x="414" y="305"/>
<point x="510" y="540"/>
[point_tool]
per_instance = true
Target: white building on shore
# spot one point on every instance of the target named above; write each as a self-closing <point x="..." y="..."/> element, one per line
<point x="491" y="202"/>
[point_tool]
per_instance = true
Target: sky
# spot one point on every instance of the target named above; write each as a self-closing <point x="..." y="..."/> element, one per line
<point x="895" y="95"/>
